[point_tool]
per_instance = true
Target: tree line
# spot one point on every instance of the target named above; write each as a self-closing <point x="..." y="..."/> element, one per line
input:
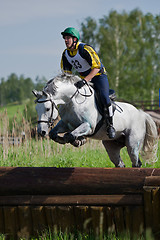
<point x="18" y="89"/>
<point x="129" y="47"/>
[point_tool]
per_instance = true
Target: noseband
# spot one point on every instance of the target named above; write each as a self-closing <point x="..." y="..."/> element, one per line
<point x="50" y="119"/>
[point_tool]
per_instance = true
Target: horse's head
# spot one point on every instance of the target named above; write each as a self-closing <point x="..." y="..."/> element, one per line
<point x="46" y="110"/>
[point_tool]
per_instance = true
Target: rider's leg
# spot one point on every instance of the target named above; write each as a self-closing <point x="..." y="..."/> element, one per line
<point x="108" y="114"/>
<point x="102" y="85"/>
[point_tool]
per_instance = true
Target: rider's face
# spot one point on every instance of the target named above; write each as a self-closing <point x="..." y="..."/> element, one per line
<point x="68" y="41"/>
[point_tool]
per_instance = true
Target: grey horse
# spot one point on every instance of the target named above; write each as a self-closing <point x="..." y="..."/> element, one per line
<point x="80" y="119"/>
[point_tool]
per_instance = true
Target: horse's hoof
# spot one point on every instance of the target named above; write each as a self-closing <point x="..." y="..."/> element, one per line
<point x="79" y="142"/>
<point x="121" y="165"/>
<point x="69" y="138"/>
<point x="138" y="165"/>
<point x="76" y="143"/>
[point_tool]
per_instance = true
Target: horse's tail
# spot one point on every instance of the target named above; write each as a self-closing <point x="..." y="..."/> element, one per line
<point x="150" y="144"/>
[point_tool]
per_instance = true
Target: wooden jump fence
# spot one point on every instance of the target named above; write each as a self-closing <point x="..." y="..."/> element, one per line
<point x="145" y="105"/>
<point x="103" y="200"/>
<point x="10" y="140"/>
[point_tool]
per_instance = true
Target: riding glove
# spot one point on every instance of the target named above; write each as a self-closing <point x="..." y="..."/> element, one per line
<point x="80" y="83"/>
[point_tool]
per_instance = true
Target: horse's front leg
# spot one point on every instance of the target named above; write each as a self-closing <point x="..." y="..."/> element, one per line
<point x="59" y="128"/>
<point x="77" y="137"/>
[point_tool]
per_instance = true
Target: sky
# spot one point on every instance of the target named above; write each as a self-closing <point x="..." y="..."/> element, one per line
<point x="30" y="41"/>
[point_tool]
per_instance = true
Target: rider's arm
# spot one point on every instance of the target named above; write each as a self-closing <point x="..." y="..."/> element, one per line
<point x="93" y="59"/>
<point x="92" y="74"/>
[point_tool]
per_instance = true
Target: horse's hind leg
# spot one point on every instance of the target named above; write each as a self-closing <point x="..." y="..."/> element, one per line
<point x="133" y="152"/>
<point x="113" y="149"/>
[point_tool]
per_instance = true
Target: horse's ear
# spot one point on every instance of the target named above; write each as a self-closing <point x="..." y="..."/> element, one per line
<point x="38" y="94"/>
<point x="35" y="92"/>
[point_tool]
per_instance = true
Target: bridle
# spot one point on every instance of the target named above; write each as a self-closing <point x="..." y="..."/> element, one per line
<point x="50" y="119"/>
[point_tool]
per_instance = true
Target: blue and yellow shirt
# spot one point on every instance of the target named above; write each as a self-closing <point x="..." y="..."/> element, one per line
<point x="83" y="58"/>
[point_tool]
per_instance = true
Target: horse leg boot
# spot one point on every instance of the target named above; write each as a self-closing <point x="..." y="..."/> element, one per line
<point x="108" y="115"/>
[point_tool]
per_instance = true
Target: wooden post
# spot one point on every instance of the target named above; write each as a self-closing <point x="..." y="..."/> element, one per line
<point x="152" y="207"/>
<point x="25" y="222"/>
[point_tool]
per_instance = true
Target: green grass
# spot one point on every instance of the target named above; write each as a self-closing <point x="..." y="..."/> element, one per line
<point x="49" y="235"/>
<point x="54" y="235"/>
<point x="46" y="153"/>
<point x="13" y="109"/>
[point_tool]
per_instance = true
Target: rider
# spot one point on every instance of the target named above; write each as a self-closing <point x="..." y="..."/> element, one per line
<point x="86" y="61"/>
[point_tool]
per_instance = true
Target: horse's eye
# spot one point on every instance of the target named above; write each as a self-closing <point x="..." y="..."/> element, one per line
<point x="47" y="109"/>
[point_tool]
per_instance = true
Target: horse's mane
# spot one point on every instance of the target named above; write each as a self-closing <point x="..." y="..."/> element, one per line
<point x="64" y="77"/>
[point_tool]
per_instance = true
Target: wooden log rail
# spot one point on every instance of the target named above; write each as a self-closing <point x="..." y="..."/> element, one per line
<point x="11" y="140"/>
<point x="122" y="200"/>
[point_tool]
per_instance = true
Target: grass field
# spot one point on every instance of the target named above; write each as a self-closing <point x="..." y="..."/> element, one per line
<point x="45" y="152"/>
<point x="77" y="236"/>
<point x="13" y="109"/>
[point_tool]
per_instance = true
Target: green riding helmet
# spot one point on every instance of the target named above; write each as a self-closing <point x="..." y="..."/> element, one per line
<point x="71" y="32"/>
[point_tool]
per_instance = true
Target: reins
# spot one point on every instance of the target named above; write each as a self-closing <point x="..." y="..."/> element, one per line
<point x="84" y="95"/>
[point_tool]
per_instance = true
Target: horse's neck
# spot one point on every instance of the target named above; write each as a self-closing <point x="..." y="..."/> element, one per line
<point x="68" y="93"/>
<point x="65" y="93"/>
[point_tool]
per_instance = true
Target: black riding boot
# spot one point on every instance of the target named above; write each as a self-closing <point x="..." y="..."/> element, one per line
<point x="109" y="124"/>
<point x="110" y="129"/>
